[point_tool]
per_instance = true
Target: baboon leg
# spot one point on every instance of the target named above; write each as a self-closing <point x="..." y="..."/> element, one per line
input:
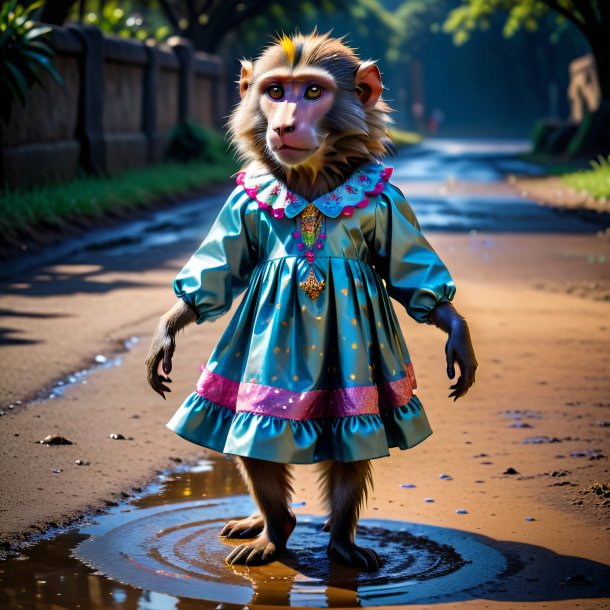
<point x="270" y="485"/>
<point x="346" y="486"/>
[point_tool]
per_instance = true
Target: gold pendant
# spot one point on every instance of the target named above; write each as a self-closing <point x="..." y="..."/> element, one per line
<point x="312" y="286"/>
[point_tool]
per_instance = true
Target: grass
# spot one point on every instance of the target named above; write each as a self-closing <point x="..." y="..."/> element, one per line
<point x="402" y="138"/>
<point x="92" y="198"/>
<point x="89" y="198"/>
<point x="595" y="181"/>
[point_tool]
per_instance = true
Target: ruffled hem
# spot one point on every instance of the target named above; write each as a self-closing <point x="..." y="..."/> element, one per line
<point x="344" y="439"/>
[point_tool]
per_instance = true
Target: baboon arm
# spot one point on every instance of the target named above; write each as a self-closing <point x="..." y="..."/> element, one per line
<point x="164" y="343"/>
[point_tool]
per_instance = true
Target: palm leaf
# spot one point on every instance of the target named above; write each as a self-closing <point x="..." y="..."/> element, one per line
<point x="36" y="32"/>
<point x="19" y="81"/>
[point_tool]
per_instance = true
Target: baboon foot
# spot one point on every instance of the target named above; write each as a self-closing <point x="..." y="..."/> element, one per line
<point x="355" y="556"/>
<point x="250" y="527"/>
<point x="255" y="553"/>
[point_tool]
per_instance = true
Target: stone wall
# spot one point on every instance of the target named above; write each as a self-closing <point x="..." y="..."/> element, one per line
<point x="117" y="105"/>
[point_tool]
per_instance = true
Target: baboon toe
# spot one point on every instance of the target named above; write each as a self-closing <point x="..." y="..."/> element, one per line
<point x="250" y="527"/>
<point x="253" y="553"/>
<point x="355" y="556"/>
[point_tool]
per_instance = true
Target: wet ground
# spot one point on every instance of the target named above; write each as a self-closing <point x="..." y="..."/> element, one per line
<point x="450" y="162"/>
<point x="160" y="551"/>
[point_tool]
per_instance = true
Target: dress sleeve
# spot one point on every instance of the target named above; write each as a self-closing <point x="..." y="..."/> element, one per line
<point x="414" y="274"/>
<point x="221" y="267"/>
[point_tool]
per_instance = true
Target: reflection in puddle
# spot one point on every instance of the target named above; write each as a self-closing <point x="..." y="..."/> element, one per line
<point x="161" y="551"/>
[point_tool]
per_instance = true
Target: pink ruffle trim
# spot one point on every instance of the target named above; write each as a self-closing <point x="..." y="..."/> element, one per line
<point x="245" y="397"/>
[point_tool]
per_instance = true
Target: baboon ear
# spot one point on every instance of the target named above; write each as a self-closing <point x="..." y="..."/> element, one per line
<point x="245" y="76"/>
<point x="368" y="84"/>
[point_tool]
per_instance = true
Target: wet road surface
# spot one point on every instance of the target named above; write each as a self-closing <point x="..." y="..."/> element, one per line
<point x="440" y="162"/>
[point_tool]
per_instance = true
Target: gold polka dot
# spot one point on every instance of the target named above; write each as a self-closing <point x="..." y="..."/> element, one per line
<point x="276" y="350"/>
<point x="284" y="323"/>
<point x="287" y="350"/>
<point x="344" y="291"/>
<point x="278" y="306"/>
<point x="354" y="345"/>
<point x="295" y="377"/>
<point x="238" y="354"/>
<point x="313" y="347"/>
<point x="393" y="371"/>
<point x="382" y="345"/>
<point x="354" y="322"/>
<point x="252" y="379"/>
<point x="321" y="354"/>
<point x="318" y="318"/>
<point x="274" y="378"/>
<point x="303" y="308"/>
<point x="379" y="324"/>
<point x="352" y="377"/>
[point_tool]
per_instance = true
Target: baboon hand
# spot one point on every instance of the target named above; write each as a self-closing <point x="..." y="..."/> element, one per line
<point x="160" y="357"/>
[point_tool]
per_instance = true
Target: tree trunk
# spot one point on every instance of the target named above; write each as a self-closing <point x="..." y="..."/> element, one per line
<point x="56" y="11"/>
<point x="599" y="40"/>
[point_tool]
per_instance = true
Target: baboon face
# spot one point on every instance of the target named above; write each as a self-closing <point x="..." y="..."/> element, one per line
<point x="294" y="106"/>
<point x="310" y="112"/>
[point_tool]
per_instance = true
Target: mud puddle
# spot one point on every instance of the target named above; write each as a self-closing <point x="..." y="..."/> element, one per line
<point x="161" y="551"/>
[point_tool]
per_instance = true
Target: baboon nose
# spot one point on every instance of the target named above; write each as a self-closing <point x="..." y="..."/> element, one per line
<point x="282" y="130"/>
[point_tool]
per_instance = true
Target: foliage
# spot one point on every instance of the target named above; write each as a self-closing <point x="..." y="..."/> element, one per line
<point x="191" y="142"/>
<point x="129" y="19"/>
<point x="595" y="181"/>
<point x="94" y="197"/>
<point x="402" y="138"/>
<point x="23" y="55"/>
<point x="473" y="14"/>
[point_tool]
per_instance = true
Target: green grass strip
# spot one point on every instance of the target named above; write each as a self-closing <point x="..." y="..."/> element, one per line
<point x="401" y="138"/>
<point x="94" y="197"/>
<point x="595" y="181"/>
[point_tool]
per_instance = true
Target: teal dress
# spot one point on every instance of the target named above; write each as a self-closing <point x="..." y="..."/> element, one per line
<point x="313" y="365"/>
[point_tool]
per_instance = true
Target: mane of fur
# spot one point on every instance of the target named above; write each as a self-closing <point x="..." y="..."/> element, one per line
<point x="355" y="135"/>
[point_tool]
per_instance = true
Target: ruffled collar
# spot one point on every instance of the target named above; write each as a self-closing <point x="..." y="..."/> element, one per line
<point x="275" y="197"/>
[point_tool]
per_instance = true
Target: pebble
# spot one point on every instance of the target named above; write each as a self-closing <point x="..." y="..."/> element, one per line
<point x="117" y="437"/>
<point x="510" y="471"/>
<point x="530" y="518"/>
<point x="54" y="439"/>
<point x="408" y="485"/>
<point x="81" y="463"/>
<point x="428" y="499"/>
<point x="57" y="471"/>
<point x="101" y="359"/>
<point x="445" y="477"/>
<point x="461" y="511"/>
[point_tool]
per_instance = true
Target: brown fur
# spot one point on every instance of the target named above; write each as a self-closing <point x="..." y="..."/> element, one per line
<point x="356" y="134"/>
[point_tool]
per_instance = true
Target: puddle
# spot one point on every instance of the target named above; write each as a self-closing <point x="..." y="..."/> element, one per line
<point x="58" y="388"/>
<point x="161" y="551"/>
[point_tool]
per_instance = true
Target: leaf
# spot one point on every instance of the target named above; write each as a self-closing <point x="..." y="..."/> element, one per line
<point x="36" y="32"/>
<point x="41" y="47"/>
<point x="44" y="62"/>
<point x="6" y="9"/>
<point x="21" y="86"/>
<point x="33" y="7"/>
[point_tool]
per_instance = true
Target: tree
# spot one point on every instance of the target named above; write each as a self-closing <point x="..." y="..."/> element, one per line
<point x="591" y="18"/>
<point x="207" y="22"/>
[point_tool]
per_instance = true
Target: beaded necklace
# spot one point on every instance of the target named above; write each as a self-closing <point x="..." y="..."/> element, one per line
<point x="311" y="234"/>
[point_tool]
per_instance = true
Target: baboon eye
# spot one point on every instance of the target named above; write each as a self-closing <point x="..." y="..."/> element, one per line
<point x="275" y="92"/>
<point x="313" y="92"/>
